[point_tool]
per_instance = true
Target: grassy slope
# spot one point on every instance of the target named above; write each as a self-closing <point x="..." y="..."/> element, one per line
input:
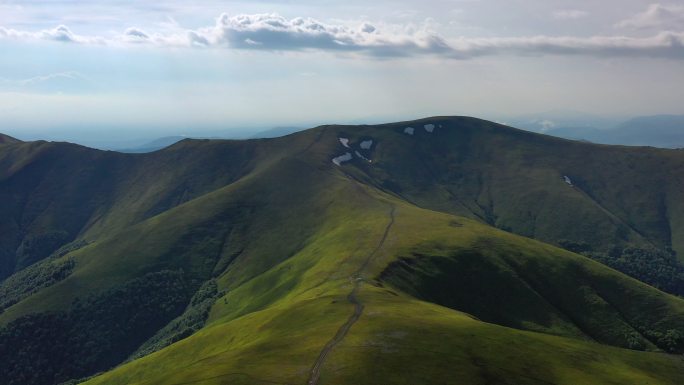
<point x="197" y="236"/>
<point x="514" y="180"/>
<point x="56" y="193"/>
<point x="401" y="346"/>
<point x="508" y="178"/>
<point x="274" y="324"/>
<point x="271" y="328"/>
<point x="285" y="238"/>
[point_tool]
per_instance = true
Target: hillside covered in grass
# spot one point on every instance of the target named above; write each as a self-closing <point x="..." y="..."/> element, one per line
<point x="342" y="254"/>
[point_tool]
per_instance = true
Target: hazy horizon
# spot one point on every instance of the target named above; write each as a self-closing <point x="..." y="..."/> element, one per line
<point x="123" y="70"/>
<point x="564" y="124"/>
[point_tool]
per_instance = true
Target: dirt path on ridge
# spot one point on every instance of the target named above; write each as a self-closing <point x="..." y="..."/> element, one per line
<point x="357" y="278"/>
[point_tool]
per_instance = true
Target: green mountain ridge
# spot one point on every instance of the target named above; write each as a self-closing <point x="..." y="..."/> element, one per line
<point x="385" y="268"/>
<point x="515" y="180"/>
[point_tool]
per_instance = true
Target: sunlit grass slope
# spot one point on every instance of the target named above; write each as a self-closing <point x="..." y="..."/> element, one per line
<point x="272" y="327"/>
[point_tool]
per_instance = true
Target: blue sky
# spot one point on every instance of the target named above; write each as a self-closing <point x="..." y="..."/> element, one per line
<point x="143" y="68"/>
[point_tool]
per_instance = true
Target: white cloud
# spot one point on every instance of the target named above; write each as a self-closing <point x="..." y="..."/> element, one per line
<point x="197" y="40"/>
<point x="569" y="14"/>
<point x="60" y="33"/>
<point x="136" y="34"/>
<point x="367" y="28"/>
<point x="656" y="16"/>
<point x="664" y="45"/>
<point x="272" y="32"/>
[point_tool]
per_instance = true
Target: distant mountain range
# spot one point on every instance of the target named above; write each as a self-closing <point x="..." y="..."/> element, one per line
<point x="167" y="141"/>
<point x="666" y="131"/>
<point x="445" y="248"/>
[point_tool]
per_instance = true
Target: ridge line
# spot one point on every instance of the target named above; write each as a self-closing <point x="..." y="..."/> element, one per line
<point x="353" y="299"/>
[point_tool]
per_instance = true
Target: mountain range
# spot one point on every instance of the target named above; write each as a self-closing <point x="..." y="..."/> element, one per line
<point x="665" y="131"/>
<point x="449" y="248"/>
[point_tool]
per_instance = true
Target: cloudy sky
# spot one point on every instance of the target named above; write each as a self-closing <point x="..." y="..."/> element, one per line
<point x="178" y="67"/>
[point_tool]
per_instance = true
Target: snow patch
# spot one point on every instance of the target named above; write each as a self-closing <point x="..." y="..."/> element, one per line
<point x="342" y="158"/>
<point x="345" y="142"/>
<point x="366" y="144"/>
<point x="408" y="130"/>
<point x="429" y="127"/>
<point x="567" y="180"/>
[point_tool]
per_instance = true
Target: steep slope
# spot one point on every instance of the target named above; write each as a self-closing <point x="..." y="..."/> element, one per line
<point x="321" y="317"/>
<point x="322" y="273"/>
<point x="191" y="243"/>
<point x="550" y="189"/>
<point x="53" y="194"/>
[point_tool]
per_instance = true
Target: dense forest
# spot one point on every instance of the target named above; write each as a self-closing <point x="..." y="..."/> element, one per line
<point x="32" y="279"/>
<point x="193" y="319"/>
<point x="658" y="268"/>
<point x="95" y="334"/>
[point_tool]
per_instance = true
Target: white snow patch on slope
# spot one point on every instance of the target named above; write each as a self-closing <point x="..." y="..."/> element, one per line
<point x="408" y="130"/>
<point x="345" y="142"/>
<point x="366" y="144"/>
<point x="429" y="127"/>
<point x="342" y="158"/>
<point x="567" y="180"/>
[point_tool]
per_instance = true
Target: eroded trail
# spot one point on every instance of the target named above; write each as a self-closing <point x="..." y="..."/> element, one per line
<point x="357" y="278"/>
